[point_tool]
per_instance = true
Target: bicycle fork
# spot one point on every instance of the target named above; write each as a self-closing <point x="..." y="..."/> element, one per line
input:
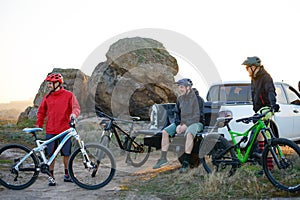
<point x="282" y="163"/>
<point x="88" y="164"/>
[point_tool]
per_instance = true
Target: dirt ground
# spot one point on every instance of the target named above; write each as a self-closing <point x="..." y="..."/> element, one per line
<point x="116" y="189"/>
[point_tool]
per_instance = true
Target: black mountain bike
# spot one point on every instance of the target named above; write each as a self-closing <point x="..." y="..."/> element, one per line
<point x="129" y="141"/>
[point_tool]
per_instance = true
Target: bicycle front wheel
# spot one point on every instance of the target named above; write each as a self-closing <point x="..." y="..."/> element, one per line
<point x="138" y="152"/>
<point x="281" y="164"/>
<point x="98" y="172"/>
<point x="105" y="140"/>
<point x="27" y="172"/>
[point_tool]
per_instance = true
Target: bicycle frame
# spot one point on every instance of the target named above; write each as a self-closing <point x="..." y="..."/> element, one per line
<point x="41" y="145"/>
<point x="66" y="135"/>
<point x="253" y="131"/>
<point x="115" y="130"/>
<point x="257" y="127"/>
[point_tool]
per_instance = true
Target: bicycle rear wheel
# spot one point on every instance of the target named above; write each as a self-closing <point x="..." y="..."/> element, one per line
<point x="213" y="160"/>
<point x="282" y="169"/>
<point x="101" y="171"/>
<point x="26" y="175"/>
<point x="138" y="152"/>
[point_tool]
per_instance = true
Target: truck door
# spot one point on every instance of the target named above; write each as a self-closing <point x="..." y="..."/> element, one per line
<point x="283" y="118"/>
<point x="294" y="104"/>
<point x="288" y="119"/>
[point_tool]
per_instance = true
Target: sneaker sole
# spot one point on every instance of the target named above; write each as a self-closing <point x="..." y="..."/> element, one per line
<point x="161" y="165"/>
<point x="68" y="179"/>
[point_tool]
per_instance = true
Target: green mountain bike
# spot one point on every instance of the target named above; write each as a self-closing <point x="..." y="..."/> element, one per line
<point x="280" y="159"/>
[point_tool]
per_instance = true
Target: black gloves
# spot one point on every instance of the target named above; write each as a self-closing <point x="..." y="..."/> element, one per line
<point x="275" y="107"/>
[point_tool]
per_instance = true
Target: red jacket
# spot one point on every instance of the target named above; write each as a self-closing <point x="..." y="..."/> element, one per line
<point x="57" y="107"/>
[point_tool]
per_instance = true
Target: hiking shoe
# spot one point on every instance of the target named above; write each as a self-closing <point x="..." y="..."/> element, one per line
<point x="51" y="181"/>
<point x="67" y="178"/>
<point x="160" y="163"/>
<point x="184" y="167"/>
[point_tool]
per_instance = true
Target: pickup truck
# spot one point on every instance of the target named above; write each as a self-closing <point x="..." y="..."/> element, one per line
<point x="236" y="98"/>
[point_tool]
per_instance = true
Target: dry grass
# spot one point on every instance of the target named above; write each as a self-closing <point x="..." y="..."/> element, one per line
<point x="197" y="184"/>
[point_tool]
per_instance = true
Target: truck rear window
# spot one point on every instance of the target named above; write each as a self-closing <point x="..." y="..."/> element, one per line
<point x="232" y="92"/>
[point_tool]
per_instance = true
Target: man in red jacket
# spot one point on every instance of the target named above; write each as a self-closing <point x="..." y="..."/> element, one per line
<point x="59" y="105"/>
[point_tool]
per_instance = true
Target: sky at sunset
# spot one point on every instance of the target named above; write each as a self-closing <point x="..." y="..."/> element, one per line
<point x="38" y="35"/>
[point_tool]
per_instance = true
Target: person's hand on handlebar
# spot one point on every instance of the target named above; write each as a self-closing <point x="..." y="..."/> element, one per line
<point x="72" y="116"/>
<point x="72" y="120"/>
<point x="275" y="107"/>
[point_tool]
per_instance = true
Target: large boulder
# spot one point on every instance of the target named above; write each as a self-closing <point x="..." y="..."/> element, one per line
<point x="138" y="72"/>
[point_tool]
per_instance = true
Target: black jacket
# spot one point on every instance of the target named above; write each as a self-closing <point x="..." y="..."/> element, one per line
<point x="189" y="108"/>
<point x="263" y="90"/>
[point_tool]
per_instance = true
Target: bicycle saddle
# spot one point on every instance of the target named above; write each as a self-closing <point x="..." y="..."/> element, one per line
<point x="31" y="130"/>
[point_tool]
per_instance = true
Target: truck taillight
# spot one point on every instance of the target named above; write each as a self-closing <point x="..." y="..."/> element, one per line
<point x="224" y="117"/>
<point x="225" y="113"/>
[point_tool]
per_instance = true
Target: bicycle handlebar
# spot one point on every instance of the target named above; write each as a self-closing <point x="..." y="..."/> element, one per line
<point x="102" y="114"/>
<point x="254" y="118"/>
<point x="72" y="122"/>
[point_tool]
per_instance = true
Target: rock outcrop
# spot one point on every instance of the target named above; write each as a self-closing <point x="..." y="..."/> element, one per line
<point x="138" y="72"/>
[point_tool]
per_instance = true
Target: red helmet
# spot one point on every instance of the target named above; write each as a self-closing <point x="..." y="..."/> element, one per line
<point x="55" y="77"/>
